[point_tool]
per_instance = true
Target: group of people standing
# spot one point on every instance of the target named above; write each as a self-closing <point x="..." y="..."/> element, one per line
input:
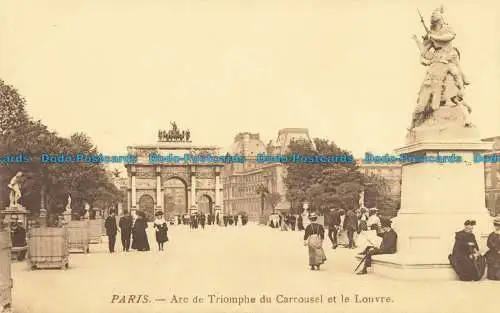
<point x="286" y="221"/>
<point x="133" y="231"/>
<point x="352" y="222"/>
<point x="315" y="234"/>
<point x="198" y="219"/>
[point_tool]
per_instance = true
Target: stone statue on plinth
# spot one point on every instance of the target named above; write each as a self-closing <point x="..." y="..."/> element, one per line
<point x="15" y="190"/>
<point x="68" y="205"/>
<point x="440" y="100"/>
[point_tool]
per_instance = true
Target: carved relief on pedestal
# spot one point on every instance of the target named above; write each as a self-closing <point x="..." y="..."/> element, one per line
<point x="145" y="183"/>
<point x="203" y="183"/>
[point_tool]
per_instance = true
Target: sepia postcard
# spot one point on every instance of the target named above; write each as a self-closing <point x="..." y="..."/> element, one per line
<point x="249" y="156"/>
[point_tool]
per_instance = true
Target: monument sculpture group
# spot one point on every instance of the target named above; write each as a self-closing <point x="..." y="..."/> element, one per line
<point x="441" y="106"/>
<point x="436" y="198"/>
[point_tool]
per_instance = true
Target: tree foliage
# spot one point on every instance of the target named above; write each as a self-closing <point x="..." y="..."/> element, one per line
<point x="331" y="185"/>
<point x="49" y="184"/>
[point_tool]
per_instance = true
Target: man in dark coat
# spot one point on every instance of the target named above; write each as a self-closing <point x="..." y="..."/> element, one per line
<point x="465" y="258"/>
<point x="300" y="223"/>
<point x="350" y="226"/>
<point x="111" y="230"/>
<point x="334" y="226"/>
<point x="388" y="245"/>
<point x="125" y="224"/>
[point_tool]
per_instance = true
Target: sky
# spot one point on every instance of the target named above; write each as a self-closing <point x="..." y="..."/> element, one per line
<point x="120" y="70"/>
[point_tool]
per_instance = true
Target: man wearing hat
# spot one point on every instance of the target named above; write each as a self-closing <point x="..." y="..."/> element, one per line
<point x="334" y="222"/>
<point x="111" y="230"/>
<point x="125" y="224"/>
<point x="465" y="258"/>
<point x="388" y="245"/>
<point x="493" y="254"/>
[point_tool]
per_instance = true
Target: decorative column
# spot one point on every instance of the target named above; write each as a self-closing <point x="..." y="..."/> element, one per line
<point x="193" y="189"/>
<point x="134" y="191"/>
<point x="218" y="206"/>
<point x="129" y="199"/>
<point x="159" y="197"/>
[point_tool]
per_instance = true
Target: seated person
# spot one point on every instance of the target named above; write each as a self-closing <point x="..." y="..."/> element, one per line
<point x="387" y="246"/>
<point x="465" y="258"/>
<point x="18" y="238"/>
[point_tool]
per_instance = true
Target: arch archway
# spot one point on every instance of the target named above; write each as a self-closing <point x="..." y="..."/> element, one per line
<point x="205" y="204"/>
<point x="175" y="196"/>
<point x="147" y="205"/>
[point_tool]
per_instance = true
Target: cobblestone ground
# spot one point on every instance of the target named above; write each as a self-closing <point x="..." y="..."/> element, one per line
<point x="247" y="261"/>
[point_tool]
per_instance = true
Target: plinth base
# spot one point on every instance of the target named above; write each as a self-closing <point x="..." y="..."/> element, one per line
<point x="401" y="268"/>
<point x="436" y="200"/>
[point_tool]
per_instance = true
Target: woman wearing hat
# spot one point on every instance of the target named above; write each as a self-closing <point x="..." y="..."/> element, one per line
<point x="465" y="258"/>
<point x="313" y="238"/>
<point x="493" y="254"/>
<point x="161" y="228"/>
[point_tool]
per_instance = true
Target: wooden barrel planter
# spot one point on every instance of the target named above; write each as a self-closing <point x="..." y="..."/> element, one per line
<point x="48" y="247"/>
<point x="78" y="236"/>
<point x="5" y="272"/>
<point x="95" y="231"/>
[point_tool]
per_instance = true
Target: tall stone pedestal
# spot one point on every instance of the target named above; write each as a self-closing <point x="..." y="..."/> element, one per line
<point x="16" y="213"/>
<point x="66" y="217"/>
<point x="436" y="199"/>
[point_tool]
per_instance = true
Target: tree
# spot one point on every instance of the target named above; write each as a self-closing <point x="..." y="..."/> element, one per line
<point x="47" y="185"/>
<point x="315" y="195"/>
<point x="13" y="113"/>
<point x="377" y="194"/>
<point x="325" y="185"/>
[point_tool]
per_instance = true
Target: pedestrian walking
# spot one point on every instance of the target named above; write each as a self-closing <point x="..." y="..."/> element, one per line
<point x="313" y="239"/>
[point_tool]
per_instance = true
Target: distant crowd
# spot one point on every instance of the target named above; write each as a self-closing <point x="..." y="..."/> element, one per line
<point x="198" y="219"/>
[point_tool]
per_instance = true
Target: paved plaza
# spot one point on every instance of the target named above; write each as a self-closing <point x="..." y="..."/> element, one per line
<point x="249" y="261"/>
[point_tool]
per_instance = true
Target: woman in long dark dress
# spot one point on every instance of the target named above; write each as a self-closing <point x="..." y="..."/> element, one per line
<point x="465" y="258"/>
<point x="313" y="239"/>
<point x="140" y="238"/>
<point x="161" y="228"/>
<point x="493" y="254"/>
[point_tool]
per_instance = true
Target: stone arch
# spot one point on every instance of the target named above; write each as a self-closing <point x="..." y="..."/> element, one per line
<point x="205" y="203"/>
<point x="175" y="193"/>
<point x="177" y="172"/>
<point x="147" y="205"/>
